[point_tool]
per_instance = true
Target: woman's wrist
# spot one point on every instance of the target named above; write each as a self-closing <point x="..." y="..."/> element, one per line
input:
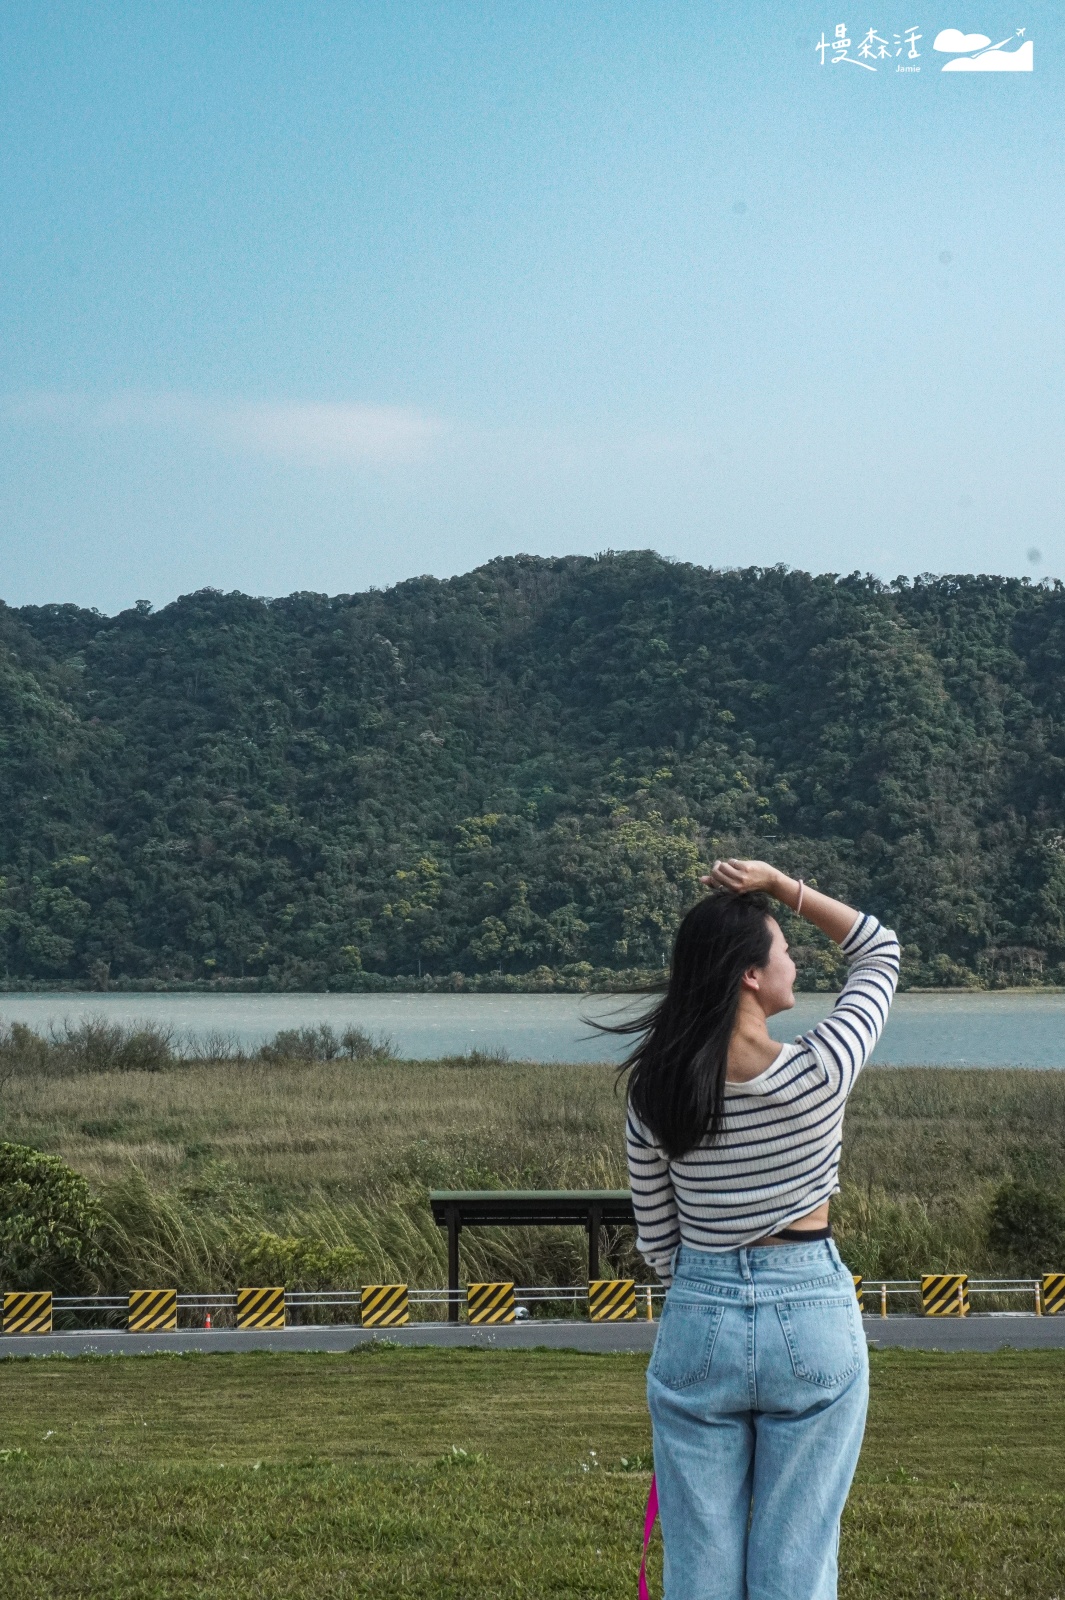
<point x="786" y="890"/>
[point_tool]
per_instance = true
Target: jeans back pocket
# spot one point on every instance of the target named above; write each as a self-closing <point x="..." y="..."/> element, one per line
<point x="822" y="1339"/>
<point x="684" y="1347"/>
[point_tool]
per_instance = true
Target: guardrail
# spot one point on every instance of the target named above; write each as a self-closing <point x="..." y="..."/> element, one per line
<point x="193" y="1308"/>
<point x="40" y="1312"/>
<point x="881" y="1295"/>
<point x="392" y="1305"/>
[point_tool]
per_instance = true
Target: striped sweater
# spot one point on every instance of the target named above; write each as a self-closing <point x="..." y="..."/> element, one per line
<point x="777" y="1156"/>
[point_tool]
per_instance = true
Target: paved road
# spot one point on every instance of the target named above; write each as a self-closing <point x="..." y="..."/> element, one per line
<point x="554" y="1335"/>
<point x="1021" y="1332"/>
<point x="914" y="1333"/>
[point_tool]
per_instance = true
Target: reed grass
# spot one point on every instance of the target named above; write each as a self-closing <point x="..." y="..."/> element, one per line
<point x="320" y="1168"/>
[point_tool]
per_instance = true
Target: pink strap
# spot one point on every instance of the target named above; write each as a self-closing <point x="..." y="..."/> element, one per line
<point x="648" y="1529"/>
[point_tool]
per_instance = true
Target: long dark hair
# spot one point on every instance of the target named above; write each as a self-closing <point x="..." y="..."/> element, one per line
<point x="677" y="1071"/>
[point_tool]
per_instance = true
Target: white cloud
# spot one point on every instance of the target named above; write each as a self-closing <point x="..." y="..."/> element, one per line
<point x="327" y="433"/>
<point x="316" y="433"/>
<point x="954" y="39"/>
<point x="995" y="61"/>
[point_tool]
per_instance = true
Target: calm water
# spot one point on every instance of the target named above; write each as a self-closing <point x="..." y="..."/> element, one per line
<point x="977" y="1030"/>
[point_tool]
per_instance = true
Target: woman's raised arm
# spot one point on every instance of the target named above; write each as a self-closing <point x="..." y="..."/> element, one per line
<point x="745" y="877"/>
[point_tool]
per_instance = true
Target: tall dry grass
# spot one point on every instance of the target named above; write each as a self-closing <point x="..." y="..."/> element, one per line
<point x="317" y="1172"/>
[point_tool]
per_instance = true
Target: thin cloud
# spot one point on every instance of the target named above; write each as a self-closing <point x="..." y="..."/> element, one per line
<point x="325" y="433"/>
<point x="315" y="433"/>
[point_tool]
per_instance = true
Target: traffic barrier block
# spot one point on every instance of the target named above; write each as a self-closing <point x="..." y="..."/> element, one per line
<point x="28" y="1311"/>
<point x="945" y="1294"/>
<point x="612" y="1299"/>
<point x="260" y="1308"/>
<point x="152" y="1310"/>
<point x="858" y="1290"/>
<point x="384" y="1305"/>
<point x="1053" y="1289"/>
<point x="490" y="1302"/>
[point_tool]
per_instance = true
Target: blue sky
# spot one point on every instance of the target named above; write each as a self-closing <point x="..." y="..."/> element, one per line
<point x="323" y="296"/>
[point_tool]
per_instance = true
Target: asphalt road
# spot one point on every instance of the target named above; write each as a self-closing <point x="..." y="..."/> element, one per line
<point x="1025" y="1332"/>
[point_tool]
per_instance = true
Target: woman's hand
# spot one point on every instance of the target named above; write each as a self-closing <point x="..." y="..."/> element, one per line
<point x="831" y="916"/>
<point x="744" y="877"/>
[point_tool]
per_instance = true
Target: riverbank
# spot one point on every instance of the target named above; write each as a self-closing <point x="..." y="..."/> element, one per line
<point x="604" y="980"/>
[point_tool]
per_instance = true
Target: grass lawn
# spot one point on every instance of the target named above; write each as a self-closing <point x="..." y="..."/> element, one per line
<point x="294" y="1475"/>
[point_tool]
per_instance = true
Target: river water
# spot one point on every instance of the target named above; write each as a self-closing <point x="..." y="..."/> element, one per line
<point x="976" y="1030"/>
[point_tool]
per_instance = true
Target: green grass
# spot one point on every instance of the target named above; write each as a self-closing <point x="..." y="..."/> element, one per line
<point x="272" y="1476"/>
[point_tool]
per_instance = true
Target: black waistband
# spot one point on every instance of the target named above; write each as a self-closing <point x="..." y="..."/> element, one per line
<point x="804" y="1235"/>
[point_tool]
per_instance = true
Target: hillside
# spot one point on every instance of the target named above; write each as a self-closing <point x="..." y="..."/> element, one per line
<point x="518" y="773"/>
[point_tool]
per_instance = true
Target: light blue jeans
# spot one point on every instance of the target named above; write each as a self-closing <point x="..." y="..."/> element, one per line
<point x="758" y="1388"/>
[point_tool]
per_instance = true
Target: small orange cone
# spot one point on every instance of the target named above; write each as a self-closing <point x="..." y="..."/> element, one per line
<point x="207" y="1321"/>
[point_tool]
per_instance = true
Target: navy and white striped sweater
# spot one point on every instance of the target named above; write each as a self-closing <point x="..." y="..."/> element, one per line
<point x="777" y="1156"/>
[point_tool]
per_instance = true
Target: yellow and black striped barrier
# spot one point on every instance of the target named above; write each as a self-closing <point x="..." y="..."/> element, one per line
<point x="490" y="1302"/>
<point x="28" y="1311"/>
<point x="945" y="1294"/>
<point x="612" y="1299"/>
<point x="260" y="1308"/>
<point x="152" y="1310"/>
<point x="858" y="1290"/>
<point x="1053" y="1291"/>
<point x="384" y="1305"/>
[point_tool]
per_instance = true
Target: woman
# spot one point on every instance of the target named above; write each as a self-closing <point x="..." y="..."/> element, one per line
<point x="759" y="1379"/>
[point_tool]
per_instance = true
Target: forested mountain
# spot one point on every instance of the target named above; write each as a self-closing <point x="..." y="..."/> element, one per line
<point x="521" y="772"/>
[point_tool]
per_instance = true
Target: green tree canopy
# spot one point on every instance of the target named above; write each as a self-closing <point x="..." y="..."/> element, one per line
<point x="49" y="1223"/>
<point x="522" y="771"/>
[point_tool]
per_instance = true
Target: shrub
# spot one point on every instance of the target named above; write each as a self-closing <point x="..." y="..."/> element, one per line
<point x="21" y="1050"/>
<point x="322" y="1044"/>
<point x="479" y="1056"/>
<point x="1027" y="1226"/>
<point x="96" y="1045"/>
<point x="49" y="1223"/>
<point x="297" y="1263"/>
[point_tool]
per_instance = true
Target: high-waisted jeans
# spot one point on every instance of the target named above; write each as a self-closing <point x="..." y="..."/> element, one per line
<point x="758" y="1388"/>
